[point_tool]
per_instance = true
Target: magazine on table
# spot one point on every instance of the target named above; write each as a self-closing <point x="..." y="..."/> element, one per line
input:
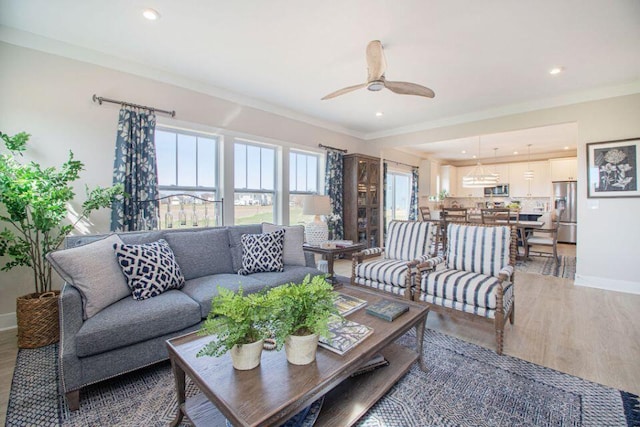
<point x="387" y="309"/>
<point x="347" y="304"/>
<point x="344" y="335"/>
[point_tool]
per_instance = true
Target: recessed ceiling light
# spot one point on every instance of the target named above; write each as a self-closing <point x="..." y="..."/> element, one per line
<point x="515" y="152"/>
<point x="556" y="70"/>
<point x="464" y="151"/>
<point x="474" y="156"/>
<point x="566" y="148"/>
<point x="151" y="14"/>
<point x="379" y="114"/>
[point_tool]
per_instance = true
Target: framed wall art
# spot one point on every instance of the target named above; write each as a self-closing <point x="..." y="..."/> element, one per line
<point x="612" y="168"/>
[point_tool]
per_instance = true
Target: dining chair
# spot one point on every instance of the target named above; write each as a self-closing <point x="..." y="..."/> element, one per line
<point x="546" y="237"/>
<point x="496" y="216"/>
<point x="455" y="214"/>
<point x="425" y="213"/>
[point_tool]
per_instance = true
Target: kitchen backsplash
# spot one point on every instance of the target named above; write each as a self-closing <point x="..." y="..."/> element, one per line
<point x="528" y="204"/>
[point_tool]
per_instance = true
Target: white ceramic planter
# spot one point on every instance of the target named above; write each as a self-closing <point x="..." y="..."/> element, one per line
<point x="246" y="356"/>
<point x="301" y="350"/>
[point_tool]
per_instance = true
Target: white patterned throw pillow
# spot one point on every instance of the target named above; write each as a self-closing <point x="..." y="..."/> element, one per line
<point x="262" y="252"/>
<point x="150" y="268"/>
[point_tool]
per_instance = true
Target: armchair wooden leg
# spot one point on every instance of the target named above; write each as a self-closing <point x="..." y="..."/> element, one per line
<point x="512" y="315"/>
<point x="73" y="400"/>
<point x="499" y="339"/>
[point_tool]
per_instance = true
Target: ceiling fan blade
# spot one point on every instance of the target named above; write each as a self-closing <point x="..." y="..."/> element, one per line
<point x="344" y="90"/>
<point x="376" y="62"/>
<point x="406" y="88"/>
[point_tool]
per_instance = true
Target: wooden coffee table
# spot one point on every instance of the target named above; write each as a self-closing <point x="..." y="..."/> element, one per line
<point x="276" y="390"/>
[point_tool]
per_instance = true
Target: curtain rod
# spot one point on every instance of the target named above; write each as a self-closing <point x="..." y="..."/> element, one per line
<point x="399" y="163"/>
<point x="100" y="100"/>
<point x="326" y="147"/>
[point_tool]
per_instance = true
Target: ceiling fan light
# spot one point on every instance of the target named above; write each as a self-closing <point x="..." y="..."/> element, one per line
<point x="375" y="86"/>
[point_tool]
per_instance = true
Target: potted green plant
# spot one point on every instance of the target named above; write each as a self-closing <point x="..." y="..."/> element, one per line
<point x="240" y="324"/>
<point x="33" y="203"/>
<point x="301" y="314"/>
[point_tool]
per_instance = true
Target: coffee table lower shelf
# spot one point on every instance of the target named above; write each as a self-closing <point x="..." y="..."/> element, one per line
<point x="343" y="405"/>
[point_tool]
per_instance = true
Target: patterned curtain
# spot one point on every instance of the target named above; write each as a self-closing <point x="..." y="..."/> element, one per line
<point x="135" y="167"/>
<point x="384" y="201"/>
<point x="413" y="207"/>
<point x="333" y="187"/>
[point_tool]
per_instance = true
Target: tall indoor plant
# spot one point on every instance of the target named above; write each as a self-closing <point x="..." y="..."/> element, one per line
<point x="302" y="313"/>
<point x="33" y="203"/>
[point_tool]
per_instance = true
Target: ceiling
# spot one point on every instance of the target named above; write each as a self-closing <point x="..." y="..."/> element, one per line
<point x="478" y="56"/>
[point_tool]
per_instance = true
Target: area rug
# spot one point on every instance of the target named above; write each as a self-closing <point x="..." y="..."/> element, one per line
<point x="565" y="268"/>
<point x="465" y="385"/>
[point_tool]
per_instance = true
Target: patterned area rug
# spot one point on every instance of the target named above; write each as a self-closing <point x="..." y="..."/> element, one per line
<point x="465" y="385"/>
<point x="565" y="268"/>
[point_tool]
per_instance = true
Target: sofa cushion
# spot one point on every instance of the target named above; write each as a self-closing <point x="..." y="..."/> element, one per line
<point x="94" y="271"/>
<point x="478" y="249"/>
<point x="386" y="271"/>
<point x="464" y="287"/>
<point x="150" y="268"/>
<point x="293" y="241"/>
<point x="262" y="252"/>
<point x="129" y="321"/>
<point x="203" y="289"/>
<point x="235" y="239"/>
<point x="290" y="274"/>
<point x="202" y="252"/>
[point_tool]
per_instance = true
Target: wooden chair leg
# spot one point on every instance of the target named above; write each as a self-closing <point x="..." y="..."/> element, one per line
<point x="73" y="400"/>
<point x="512" y="315"/>
<point x="499" y="339"/>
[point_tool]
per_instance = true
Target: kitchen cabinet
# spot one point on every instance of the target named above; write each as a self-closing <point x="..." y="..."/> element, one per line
<point x="565" y="169"/>
<point x="449" y="179"/>
<point x="362" y="196"/>
<point x="428" y="178"/>
<point x="468" y="192"/>
<point x="539" y="186"/>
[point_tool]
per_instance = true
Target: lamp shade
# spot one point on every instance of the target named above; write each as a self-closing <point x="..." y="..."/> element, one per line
<point x="316" y="205"/>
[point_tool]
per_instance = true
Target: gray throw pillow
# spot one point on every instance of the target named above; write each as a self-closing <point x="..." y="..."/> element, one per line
<point x="94" y="271"/>
<point x="202" y="252"/>
<point x="293" y="241"/>
<point x="150" y="268"/>
<point x="262" y="252"/>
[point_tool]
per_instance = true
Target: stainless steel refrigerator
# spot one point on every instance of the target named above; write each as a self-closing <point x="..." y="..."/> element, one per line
<point x="565" y="198"/>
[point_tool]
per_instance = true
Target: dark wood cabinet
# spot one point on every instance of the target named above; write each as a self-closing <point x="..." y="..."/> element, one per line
<point x="362" y="196"/>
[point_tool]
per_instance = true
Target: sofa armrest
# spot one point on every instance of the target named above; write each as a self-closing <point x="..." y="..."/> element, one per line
<point x="430" y="264"/>
<point x="71" y="321"/>
<point x="310" y="260"/>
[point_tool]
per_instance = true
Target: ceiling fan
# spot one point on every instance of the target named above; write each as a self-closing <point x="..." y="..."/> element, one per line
<point x="376" y="80"/>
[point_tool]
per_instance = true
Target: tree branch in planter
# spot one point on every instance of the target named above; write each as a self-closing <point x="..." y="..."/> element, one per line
<point x="35" y="201"/>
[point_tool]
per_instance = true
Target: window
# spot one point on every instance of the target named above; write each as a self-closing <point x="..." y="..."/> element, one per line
<point x="303" y="180"/>
<point x="187" y="164"/>
<point x="254" y="181"/>
<point x="398" y="196"/>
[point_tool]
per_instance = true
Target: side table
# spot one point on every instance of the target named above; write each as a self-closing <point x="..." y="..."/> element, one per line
<point x="329" y="254"/>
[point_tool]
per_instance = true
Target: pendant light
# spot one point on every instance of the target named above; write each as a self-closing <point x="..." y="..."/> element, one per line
<point x="478" y="177"/>
<point x="528" y="174"/>
<point x="495" y="165"/>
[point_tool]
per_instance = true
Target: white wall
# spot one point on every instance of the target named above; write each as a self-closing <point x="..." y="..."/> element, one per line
<point x="608" y="235"/>
<point x="50" y="97"/>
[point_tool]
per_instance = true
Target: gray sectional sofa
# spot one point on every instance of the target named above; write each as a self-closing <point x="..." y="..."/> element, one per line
<point x="130" y="334"/>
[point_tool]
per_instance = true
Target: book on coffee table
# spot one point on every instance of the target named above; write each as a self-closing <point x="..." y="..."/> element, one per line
<point x="387" y="309"/>
<point x="347" y="304"/>
<point x="376" y="362"/>
<point x="344" y="335"/>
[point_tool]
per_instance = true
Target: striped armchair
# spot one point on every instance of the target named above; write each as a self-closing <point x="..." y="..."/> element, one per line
<point x="408" y="243"/>
<point x="475" y="277"/>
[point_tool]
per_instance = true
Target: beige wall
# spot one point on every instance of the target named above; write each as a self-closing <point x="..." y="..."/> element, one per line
<point x="608" y="229"/>
<point x="50" y="97"/>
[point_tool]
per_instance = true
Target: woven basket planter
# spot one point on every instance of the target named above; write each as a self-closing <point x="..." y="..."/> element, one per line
<point x="38" y="323"/>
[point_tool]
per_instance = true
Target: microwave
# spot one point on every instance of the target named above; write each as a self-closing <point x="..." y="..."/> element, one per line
<point x="500" y="190"/>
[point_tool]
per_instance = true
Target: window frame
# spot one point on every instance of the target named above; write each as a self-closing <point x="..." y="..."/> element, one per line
<point x="317" y="177"/>
<point x="245" y="190"/>
<point x="392" y="197"/>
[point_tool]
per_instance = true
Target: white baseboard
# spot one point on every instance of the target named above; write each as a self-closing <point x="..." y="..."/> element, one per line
<point x="608" y="284"/>
<point x="8" y="321"/>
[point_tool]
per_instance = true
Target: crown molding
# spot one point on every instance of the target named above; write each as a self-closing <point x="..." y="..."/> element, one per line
<point x="55" y="47"/>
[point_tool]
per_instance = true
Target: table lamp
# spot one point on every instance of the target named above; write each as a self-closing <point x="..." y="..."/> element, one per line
<point x="316" y="231"/>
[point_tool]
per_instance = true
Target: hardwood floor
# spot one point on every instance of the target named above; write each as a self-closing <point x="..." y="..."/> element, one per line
<point x="589" y="333"/>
